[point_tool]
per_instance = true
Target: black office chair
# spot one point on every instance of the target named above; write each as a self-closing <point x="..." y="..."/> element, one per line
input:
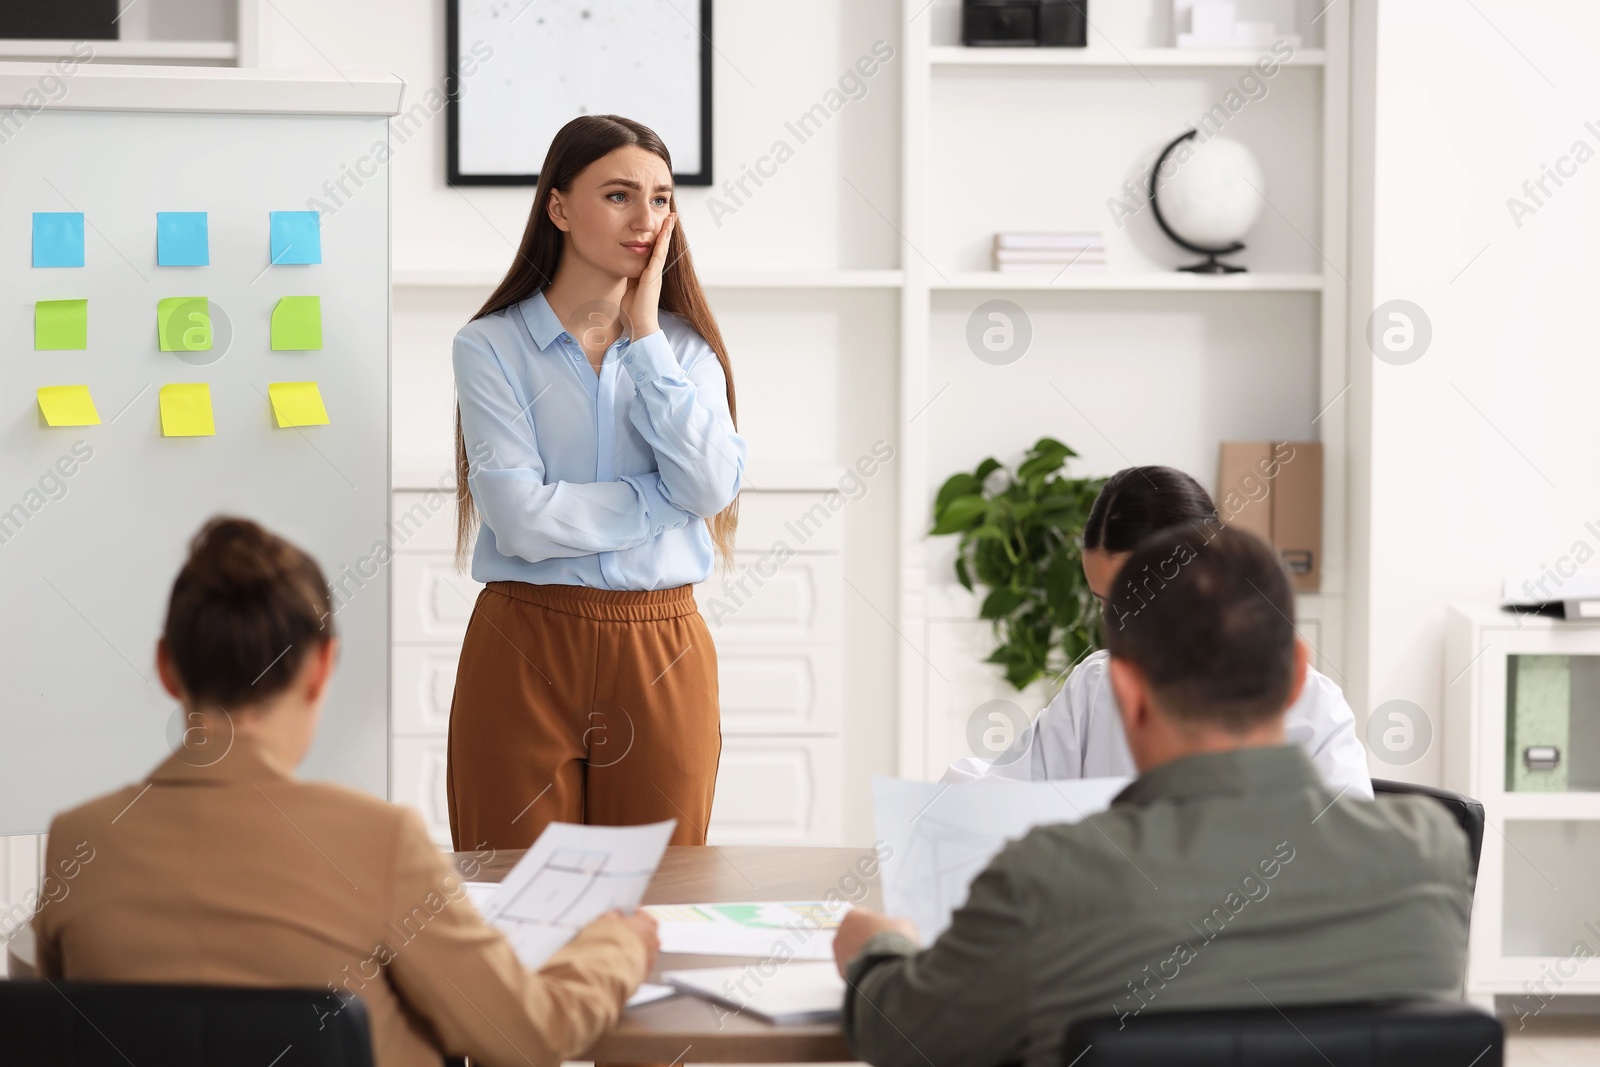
<point x="1467" y="812"/>
<point x="1410" y="1034"/>
<point x="83" y="1024"/>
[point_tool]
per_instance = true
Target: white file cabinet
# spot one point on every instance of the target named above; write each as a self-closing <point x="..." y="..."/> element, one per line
<point x="1515" y="683"/>
<point x="780" y="663"/>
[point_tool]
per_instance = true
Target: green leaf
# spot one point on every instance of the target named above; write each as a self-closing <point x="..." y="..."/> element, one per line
<point x="960" y="514"/>
<point x="957" y="485"/>
<point x="1051" y="444"/>
<point x="986" y="468"/>
<point x="1038" y="465"/>
<point x="961" y="573"/>
<point x="1000" y="603"/>
<point x="1021" y="675"/>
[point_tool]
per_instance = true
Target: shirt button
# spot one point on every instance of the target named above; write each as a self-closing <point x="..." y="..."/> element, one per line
<point x="627" y="359"/>
<point x="639" y="377"/>
<point x="660" y="529"/>
<point x="676" y="525"/>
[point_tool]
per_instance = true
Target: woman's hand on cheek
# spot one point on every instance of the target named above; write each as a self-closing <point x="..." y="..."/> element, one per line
<point x="643" y="296"/>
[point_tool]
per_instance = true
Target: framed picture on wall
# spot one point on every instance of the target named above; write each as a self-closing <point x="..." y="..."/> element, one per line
<point x="519" y="70"/>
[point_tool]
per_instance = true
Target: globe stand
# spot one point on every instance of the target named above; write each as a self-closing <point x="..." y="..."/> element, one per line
<point x="1210" y="265"/>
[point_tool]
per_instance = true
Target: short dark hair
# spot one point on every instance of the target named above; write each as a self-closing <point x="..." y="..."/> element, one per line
<point x="1208" y="621"/>
<point x="245" y="610"/>
<point x="1137" y="502"/>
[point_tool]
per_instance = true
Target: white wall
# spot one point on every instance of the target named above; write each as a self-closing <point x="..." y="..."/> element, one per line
<point x="1480" y="455"/>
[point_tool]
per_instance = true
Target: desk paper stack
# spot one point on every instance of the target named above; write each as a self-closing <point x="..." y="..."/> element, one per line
<point x="787" y="929"/>
<point x="792" y="993"/>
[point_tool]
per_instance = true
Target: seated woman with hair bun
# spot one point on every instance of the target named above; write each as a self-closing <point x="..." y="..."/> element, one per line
<point x="223" y="868"/>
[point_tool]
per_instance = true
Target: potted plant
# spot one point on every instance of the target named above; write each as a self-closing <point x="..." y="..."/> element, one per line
<point x="1021" y="541"/>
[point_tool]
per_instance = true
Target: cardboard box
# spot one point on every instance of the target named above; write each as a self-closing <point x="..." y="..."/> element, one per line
<point x="1273" y="489"/>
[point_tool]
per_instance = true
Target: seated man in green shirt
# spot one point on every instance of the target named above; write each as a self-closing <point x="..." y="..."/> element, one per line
<point x="1226" y="875"/>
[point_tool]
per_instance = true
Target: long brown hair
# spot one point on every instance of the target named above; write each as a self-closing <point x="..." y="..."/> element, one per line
<point x="575" y="146"/>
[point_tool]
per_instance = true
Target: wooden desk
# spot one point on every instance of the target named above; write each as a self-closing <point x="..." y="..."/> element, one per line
<point x="684" y="1029"/>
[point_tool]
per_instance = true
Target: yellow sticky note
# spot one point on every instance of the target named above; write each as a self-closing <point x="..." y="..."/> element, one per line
<point x="297" y="404"/>
<point x="186" y="410"/>
<point x="68" y="405"/>
<point x="183" y="323"/>
<point x="297" y="324"/>
<point x="60" y="325"/>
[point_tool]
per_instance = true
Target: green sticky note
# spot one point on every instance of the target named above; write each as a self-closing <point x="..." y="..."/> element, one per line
<point x="183" y="323"/>
<point x="297" y="324"/>
<point x="60" y="324"/>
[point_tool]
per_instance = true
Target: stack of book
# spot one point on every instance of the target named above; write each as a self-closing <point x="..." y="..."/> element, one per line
<point x="1051" y="252"/>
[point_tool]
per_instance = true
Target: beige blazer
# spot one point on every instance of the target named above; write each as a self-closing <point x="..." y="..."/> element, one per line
<point x="235" y="873"/>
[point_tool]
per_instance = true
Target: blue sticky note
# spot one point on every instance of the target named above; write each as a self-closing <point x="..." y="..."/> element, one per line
<point x="181" y="239"/>
<point x="58" y="238"/>
<point x="296" y="237"/>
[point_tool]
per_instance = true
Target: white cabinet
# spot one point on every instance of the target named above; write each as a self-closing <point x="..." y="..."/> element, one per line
<point x="777" y="621"/>
<point x="1535" y="930"/>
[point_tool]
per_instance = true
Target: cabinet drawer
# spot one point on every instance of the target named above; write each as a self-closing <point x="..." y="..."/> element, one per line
<point x="780" y="691"/>
<point x="777" y="791"/>
<point x="417" y="781"/>
<point x="802" y="521"/>
<point x="432" y="601"/>
<point x="422" y="521"/>
<point x="422" y="683"/>
<point x="764" y="603"/>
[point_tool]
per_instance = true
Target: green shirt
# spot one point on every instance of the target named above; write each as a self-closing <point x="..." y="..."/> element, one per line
<point x="1225" y="879"/>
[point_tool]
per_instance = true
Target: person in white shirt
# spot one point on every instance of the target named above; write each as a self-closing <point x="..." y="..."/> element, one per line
<point x="1079" y="735"/>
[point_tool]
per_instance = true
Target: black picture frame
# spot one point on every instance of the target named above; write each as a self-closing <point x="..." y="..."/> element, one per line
<point x="453" y="84"/>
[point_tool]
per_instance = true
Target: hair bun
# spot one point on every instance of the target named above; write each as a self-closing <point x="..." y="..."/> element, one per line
<point x="238" y="557"/>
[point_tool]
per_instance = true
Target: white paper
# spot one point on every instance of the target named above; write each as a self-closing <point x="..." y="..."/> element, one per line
<point x="790" y="992"/>
<point x="572" y="875"/>
<point x="648" y="992"/>
<point x="480" y="893"/>
<point x="942" y="834"/>
<point x="787" y="929"/>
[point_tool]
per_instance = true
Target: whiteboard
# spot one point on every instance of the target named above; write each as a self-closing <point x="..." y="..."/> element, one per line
<point x="87" y="563"/>
<point x="525" y="69"/>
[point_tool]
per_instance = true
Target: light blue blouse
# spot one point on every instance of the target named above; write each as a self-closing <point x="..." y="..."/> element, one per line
<point x="593" y="480"/>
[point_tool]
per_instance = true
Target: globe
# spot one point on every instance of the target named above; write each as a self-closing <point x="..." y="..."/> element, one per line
<point x="1211" y="199"/>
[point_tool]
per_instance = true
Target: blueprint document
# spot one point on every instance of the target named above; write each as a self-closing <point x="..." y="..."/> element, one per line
<point x="571" y="875"/>
<point x="942" y="834"/>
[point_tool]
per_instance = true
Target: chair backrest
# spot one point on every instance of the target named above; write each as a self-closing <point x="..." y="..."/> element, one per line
<point x="83" y="1024"/>
<point x="1408" y="1034"/>
<point x="1467" y="812"/>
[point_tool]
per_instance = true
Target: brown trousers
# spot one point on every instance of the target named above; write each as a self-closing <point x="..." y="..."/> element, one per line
<point x="582" y="705"/>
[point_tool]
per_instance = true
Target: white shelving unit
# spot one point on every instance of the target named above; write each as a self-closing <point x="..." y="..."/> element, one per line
<point x="1530" y="912"/>
<point x="1107" y="56"/>
<point x="1006" y="104"/>
<point x="199" y="32"/>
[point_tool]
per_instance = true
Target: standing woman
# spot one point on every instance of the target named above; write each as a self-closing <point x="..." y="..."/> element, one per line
<point x="595" y="440"/>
